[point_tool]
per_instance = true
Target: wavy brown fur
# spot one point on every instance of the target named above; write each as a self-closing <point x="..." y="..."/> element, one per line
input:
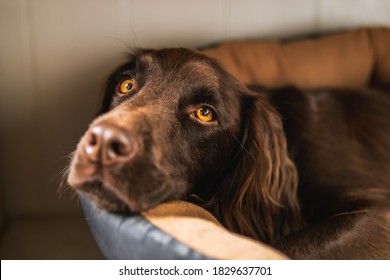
<point x="259" y="196"/>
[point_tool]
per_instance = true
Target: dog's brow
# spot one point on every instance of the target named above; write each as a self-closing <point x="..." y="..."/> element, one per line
<point x="145" y="60"/>
<point x="205" y="72"/>
<point x="201" y="67"/>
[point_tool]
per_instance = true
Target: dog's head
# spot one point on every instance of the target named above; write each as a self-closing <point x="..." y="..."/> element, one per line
<point x="168" y="124"/>
<point x="174" y="123"/>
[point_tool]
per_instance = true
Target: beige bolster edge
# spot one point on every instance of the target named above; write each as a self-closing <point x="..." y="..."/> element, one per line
<point x="199" y="230"/>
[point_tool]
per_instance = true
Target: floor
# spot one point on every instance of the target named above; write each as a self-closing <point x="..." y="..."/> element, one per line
<point x="48" y="239"/>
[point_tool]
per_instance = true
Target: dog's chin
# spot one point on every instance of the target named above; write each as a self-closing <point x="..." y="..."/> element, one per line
<point x="116" y="206"/>
<point x="103" y="198"/>
<point x="106" y="199"/>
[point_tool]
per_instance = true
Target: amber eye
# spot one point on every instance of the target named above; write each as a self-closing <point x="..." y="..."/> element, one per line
<point x="126" y="86"/>
<point x="204" y="114"/>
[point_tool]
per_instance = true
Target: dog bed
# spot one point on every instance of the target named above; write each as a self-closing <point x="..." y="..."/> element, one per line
<point x="181" y="230"/>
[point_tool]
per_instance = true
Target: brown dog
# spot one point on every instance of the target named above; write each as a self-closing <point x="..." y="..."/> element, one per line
<point x="307" y="172"/>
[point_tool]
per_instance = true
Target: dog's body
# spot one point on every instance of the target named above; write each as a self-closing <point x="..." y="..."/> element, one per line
<point x="339" y="141"/>
<point x="305" y="172"/>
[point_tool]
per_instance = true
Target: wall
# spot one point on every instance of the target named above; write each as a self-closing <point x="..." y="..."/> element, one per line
<point x="55" y="56"/>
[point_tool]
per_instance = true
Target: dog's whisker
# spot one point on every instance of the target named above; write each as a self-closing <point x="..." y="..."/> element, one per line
<point x="242" y="146"/>
<point x="62" y="176"/>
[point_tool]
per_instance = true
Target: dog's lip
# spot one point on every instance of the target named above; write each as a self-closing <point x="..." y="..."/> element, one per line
<point x="95" y="180"/>
<point x="77" y="178"/>
<point x="95" y="185"/>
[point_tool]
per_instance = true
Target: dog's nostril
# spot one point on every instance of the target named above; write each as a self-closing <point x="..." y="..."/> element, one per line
<point x="118" y="145"/>
<point x="92" y="145"/>
<point x="118" y="148"/>
<point x="92" y="139"/>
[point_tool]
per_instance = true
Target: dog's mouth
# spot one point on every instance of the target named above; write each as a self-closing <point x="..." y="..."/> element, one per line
<point x="99" y="185"/>
<point x="132" y="187"/>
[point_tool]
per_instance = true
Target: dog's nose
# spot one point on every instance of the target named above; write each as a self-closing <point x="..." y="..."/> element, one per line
<point x="108" y="144"/>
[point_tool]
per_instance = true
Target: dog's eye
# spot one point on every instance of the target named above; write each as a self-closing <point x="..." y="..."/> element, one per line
<point x="204" y="114"/>
<point x="126" y="86"/>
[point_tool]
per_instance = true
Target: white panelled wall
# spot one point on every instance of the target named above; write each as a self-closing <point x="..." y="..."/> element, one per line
<point x="55" y="55"/>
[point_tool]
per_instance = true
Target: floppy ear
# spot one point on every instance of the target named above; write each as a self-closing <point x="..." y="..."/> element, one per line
<point x="259" y="196"/>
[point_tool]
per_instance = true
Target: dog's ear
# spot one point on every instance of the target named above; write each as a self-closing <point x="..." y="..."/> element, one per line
<point x="259" y="197"/>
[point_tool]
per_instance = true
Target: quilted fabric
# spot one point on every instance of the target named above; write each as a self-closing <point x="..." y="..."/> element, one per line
<point x="349" y="59"/>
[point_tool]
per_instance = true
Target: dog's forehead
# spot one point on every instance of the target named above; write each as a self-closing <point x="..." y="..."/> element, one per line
<point x="181" y="61"/>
